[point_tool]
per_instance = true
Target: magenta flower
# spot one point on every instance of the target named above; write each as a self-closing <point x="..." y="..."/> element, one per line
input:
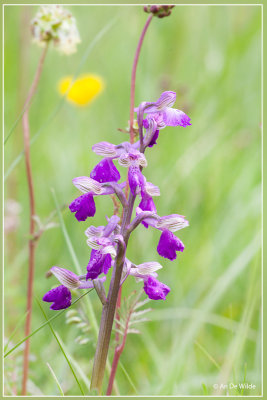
<point x="169" y="244"/>
<point x="147" y="204"/>
<point x="105" y="171"/>
<point x="155" y="289"/>
<point x="60" y="297"/>
<point x="83" y="206"/>
<point x="136" y="179"/>
<point x="152" y="133"/>
<point x="99" y="263"/>
<point x="163" y="113"/>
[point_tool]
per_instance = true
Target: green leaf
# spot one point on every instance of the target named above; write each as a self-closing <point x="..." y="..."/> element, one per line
<point x="21" y="320"/>
<point x="55" y="379"/>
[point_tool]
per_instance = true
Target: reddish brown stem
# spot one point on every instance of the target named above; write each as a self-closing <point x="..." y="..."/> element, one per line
<point x="32" y="242"/>
<point x="118" y="352"/>
<point x="133" y="78"/>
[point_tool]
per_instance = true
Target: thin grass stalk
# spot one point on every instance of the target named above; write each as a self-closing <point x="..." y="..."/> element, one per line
<point x="32" y="241"/>
<point x="118" y="352"/>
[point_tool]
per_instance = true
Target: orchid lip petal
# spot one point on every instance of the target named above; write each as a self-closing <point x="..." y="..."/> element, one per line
<point x="173" y="117"/>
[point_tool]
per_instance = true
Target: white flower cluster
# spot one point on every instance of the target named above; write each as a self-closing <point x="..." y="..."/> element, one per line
<point x="52" y="22"/>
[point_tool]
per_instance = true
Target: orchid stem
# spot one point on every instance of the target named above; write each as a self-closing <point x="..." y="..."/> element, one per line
<point x="32" y="241"/>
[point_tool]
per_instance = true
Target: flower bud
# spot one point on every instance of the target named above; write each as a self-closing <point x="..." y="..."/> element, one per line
<point x="159" y="11"/>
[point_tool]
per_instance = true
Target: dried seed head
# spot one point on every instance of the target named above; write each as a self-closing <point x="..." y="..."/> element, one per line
<point x="54" y="23"/>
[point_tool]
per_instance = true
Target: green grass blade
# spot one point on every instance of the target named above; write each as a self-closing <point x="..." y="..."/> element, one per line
<point x="55" y="379"/>
<point x="209" y="302"/>
<point x="56" y="336"/>
<point x="207" y="354"/>
<point x="21" y="320"/>
<point x="128" y="377"/>
<point x="76" y="366"/>
<point x="44" y="324"/>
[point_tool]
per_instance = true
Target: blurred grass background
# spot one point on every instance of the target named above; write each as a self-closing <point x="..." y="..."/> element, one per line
<point x="209" y="329"/>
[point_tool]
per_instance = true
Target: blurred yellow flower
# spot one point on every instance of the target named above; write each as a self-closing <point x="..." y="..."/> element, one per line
<point x="83" y="90"/>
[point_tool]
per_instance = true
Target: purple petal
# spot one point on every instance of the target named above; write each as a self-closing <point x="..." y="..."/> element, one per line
<point x="99" y="263"/>
<point x="136" y="179"/>
<point x="166" y="99"/>
<point x="149" y="220"/>
<point x="105" y="149"/>
<point x="66" y="277"/>
<point x="155" y="289"/>
<point x="107" y="263"/>
<point x="59" y="296"/>
<point x="173" y="117"/>
<point x="154" y="139"/>
<point x="168" y="245"/>
<point x="147" y="204"/>
<point x="105" y="171"/>
<point x="158" y="118"/>
<point x="83" y="206"/>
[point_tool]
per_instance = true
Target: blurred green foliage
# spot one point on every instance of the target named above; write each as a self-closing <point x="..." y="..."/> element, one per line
<point x="209" y="172"/>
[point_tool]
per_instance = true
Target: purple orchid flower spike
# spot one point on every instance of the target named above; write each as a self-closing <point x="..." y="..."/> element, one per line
<point x="60" y="297"/>
<point x="163" y="113"/>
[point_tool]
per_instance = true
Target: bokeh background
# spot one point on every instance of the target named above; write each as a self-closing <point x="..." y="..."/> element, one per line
<point x="209" y="329"/>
